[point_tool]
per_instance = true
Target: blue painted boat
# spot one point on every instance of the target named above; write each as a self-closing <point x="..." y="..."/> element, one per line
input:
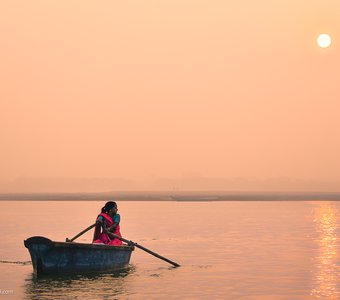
<point x="49" y="257"/>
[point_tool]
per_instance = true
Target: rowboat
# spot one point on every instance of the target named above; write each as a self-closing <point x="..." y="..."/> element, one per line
<point x="49" y="257"/>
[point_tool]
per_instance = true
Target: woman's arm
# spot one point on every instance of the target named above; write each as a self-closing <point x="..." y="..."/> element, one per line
<point x="116" y="220"/>
<point x="101" y="222"/>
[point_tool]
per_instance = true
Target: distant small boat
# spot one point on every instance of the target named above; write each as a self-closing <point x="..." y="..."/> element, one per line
<point x="49" y="257"/>
<point x="194" y="198"/>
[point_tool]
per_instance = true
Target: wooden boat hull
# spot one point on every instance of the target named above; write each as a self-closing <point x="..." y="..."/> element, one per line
<point x="49" y="257"/>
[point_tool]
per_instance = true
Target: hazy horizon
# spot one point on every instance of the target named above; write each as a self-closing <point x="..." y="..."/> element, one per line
<point x="102" y="185"/>
<point x="155" y="95"/>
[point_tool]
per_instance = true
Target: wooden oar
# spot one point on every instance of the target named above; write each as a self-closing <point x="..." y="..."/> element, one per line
<point x="143" y="248"/>
<point x="126" y="241"/>
<point x="80" y="233"/>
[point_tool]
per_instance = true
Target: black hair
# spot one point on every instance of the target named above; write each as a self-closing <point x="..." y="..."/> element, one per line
<point x="109" y="205"/>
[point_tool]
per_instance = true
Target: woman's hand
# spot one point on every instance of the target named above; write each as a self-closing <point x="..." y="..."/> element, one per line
<point x="112" y="228"/>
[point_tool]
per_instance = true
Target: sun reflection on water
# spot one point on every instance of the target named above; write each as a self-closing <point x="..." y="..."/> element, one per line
<point x="327" y="273"/>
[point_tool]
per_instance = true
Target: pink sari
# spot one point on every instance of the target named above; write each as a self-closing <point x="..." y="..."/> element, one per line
<point x="102" y="237"/>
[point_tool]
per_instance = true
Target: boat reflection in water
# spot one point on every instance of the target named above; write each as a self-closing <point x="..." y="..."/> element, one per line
<point x="327" y="273"/>
<point x="84" y="286"/>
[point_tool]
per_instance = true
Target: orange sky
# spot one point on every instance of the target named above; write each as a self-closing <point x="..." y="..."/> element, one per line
<point x="169" y="94"/>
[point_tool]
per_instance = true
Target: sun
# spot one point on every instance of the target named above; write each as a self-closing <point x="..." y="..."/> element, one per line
<point x="324" y="40"/>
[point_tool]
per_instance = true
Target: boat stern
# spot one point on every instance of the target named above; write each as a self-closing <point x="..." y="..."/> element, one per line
<point x="38" y="246"/>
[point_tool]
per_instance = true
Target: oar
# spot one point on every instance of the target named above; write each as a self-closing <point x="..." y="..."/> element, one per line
<point x="80" y="233"/>
<point x="143" y="248"/>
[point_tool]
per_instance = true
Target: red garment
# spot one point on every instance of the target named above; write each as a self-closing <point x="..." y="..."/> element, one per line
<point x="102" y="237"/>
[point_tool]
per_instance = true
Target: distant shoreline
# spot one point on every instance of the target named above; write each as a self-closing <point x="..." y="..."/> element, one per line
<point x="193" y="196"/>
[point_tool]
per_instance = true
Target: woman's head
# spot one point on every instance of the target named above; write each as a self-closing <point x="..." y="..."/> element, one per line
<point x="109" y="206"/>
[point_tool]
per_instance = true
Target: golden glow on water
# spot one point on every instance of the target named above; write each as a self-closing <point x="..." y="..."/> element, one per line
<point x="327" y="274"/>
<point x="241" y="250"/>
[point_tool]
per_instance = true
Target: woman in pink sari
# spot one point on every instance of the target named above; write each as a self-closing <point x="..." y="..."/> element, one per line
<point x="107" y="221"/>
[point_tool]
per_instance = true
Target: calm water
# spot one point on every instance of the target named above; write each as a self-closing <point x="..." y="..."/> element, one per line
<point x="228" y="250"/>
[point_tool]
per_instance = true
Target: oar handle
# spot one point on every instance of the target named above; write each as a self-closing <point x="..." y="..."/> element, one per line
<point x="143" y="248"/>
<point x="80" y="233"/>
